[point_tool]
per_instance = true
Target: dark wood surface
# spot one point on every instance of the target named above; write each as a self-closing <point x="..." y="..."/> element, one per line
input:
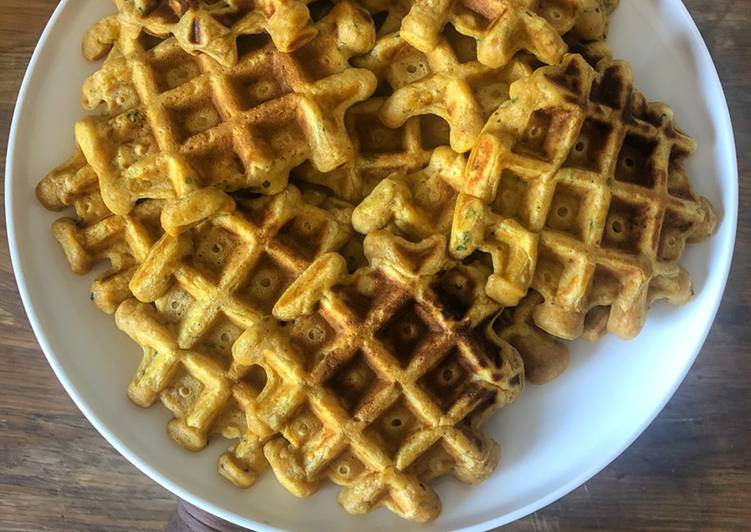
<point x="690" y="470"/>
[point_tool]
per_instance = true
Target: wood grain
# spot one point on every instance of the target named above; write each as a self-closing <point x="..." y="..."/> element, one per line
<point x="690" y="470"/>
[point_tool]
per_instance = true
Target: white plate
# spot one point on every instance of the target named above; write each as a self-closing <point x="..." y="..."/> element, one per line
<point x="554" y="437"/>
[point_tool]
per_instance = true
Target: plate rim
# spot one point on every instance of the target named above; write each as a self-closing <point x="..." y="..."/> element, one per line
<point x="730" y="215"/>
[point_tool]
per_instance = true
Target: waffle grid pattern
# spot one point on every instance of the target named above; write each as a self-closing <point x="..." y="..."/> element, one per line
<point x="390" y="380"/>
<point x="209" y="284"/>
<point x="596" y="171"/>
<point x="240" y="127"/>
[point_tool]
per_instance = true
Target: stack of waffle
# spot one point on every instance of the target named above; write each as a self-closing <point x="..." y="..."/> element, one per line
<point x="345" y="234"/>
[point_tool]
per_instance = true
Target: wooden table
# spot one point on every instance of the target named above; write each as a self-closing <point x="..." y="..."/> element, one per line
<point x="690" y="470"/>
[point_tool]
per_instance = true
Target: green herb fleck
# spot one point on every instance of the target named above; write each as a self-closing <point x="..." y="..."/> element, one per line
<point x="91" y="296"/>
<point x="266" y="184"/>
<point x="464" y="244"/>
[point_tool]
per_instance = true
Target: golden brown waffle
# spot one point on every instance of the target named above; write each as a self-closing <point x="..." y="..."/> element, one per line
<point x="212" y="27"/>
<point x="200" y="124"/>
<point x="501" y="28"/>
<point x="377" y="379"/>
<point x="584" y="161"/>
<point x="446" y="81"/>
<point x="96" y="235"/>
<point x="379" y="151"/>
<point x="424" y="203"/>
<point x="208" y="284"/>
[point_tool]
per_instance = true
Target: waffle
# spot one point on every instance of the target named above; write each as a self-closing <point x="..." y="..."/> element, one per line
<point x="425" y="203"/>
<point x="95" y="235"/>
<point x="199" y="124"/>
<point x="446" y="81"/>
<point x="501" y="28"/>
<point x="207" y="285"/>
<point x="379" y="151"/>
<point x="379" y="379"/>
<point x="212" y="27"/>
<point x="580" y="158"/>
